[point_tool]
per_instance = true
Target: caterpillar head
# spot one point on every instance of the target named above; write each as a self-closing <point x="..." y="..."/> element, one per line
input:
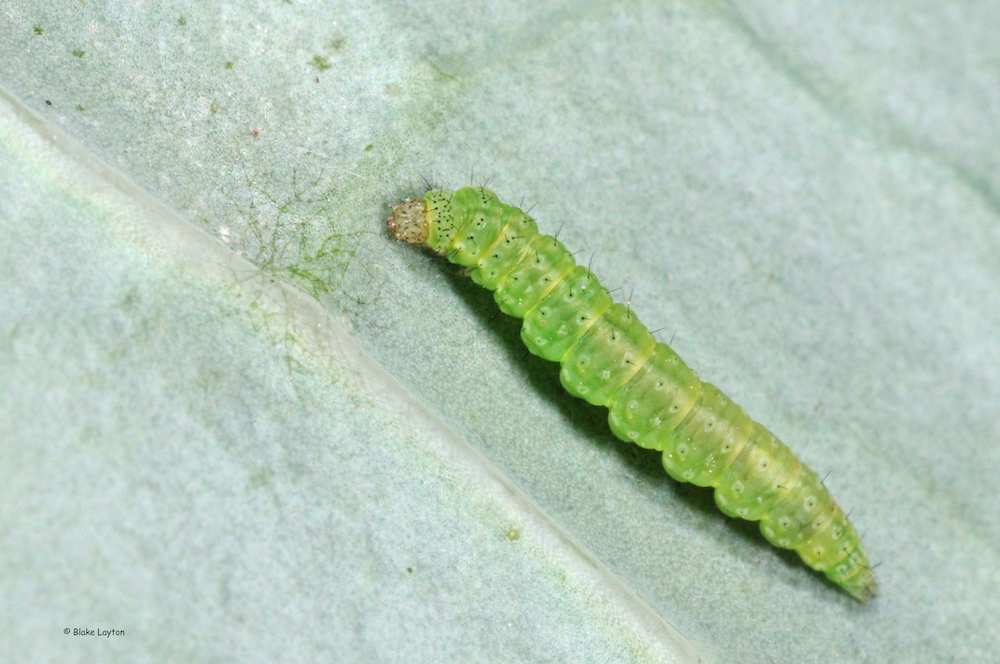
<point x="408" y="221"/>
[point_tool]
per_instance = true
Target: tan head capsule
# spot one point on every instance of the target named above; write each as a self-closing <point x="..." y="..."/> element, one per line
<point x="408" y="221"/>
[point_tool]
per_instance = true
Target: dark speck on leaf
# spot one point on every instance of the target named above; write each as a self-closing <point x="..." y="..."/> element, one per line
<point x="320" y="63"/>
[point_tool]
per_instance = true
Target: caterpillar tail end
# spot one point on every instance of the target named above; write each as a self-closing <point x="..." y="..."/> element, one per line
<point x="860" y="586"/>
<point x="408" y="221"/>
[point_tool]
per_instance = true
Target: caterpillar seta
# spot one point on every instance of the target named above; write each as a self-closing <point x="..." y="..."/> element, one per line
<point x="610" y="359"/>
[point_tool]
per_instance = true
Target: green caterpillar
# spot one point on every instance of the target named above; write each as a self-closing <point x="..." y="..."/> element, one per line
<point x="610" y="359"/>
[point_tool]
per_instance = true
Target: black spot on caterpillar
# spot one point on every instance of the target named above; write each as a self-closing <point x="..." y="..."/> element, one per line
<point x="610" y="359"/>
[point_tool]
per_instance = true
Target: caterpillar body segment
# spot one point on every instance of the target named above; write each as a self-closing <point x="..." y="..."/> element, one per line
<point x="655" y="400"/>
